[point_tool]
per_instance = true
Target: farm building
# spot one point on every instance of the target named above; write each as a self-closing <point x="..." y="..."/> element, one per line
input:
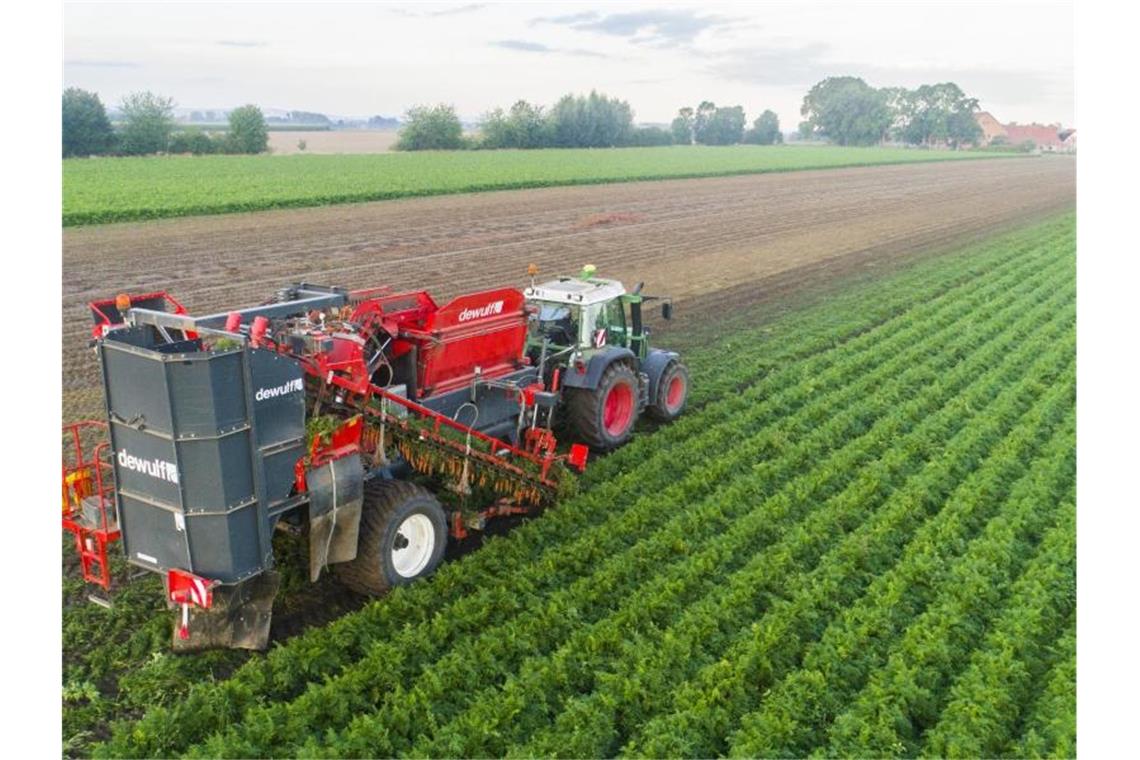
<point x="1047" y="137"/>
<point x="1050" y="138"/>
<point x="991" y="127"/>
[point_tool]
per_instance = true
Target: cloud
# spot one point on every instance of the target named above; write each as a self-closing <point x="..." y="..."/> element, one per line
<point x="91" y="63"/>
<point x="242" y="43"/>
<point x="655" y="27"/>
<point x="469" y="8"/>
<point x="453" y="11"/>
<point x="570" y="18"/>
<point x="803" y="66"/>
<point x="527" y="46"/>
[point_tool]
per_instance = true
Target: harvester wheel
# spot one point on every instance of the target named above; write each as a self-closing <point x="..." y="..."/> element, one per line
<point x="672" y="393"/>
<point x="403" y="533"/>
<point x="603" y="418"/>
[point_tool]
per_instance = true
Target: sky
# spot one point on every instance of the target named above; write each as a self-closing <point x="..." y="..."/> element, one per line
<point x="362" y="59"/>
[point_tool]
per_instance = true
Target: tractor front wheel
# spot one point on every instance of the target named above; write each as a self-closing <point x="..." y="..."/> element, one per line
<point x="672" y="393"/>
<point x="403" y="533"/>
<point x="603" y="418"/>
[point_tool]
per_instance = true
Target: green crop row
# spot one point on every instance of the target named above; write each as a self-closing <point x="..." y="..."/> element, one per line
<point x="595" y="592"/>
<point x="697" y="579"/>
<point x="1050" y="726"/>
<point x="745" y="579"/>
<point x="124" y="189"/>
<point x="986" y="699"/>
<point x="794" y="713"/>
<point x="472" y="659"/>
<point x="277" y="676"/>
<point x="706" y="709"/>
<point x="366" y="680"/>
<point x="533" y="686"/>
<point x="905" y="696"/>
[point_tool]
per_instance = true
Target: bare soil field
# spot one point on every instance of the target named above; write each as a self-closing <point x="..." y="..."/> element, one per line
<point x="284" y="143"/>
<point x="709" y="243"/>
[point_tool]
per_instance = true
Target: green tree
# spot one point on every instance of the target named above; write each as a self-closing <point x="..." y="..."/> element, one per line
<point x="86" y="128"/>
<point x="644" y="137"/>
<point x="149" y="121"/>
<point x="718" y="126"/>
<point x="590" y="121"/>
<point x="309" y="117"/>
<point x="724" y="127"/>
<point x="192" y="140"/>
<point x="704" y="114"/>
<point x="937" y="113"/>
<point x="247" y="133"/>
<point x="682" y="127"/>
<point x="847" y="111"/>
<point x="765" y="130"/>
<point x="431" y="128"/>
<point x="898" y="100"/>
<point x="524" y="126"/>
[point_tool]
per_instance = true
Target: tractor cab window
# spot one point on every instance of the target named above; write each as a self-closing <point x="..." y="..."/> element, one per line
<point x="559" y="323"/>
<point x="609" y="326"/>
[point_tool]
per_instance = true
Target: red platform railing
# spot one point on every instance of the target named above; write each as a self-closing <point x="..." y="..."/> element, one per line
<point x="88" y="498"/>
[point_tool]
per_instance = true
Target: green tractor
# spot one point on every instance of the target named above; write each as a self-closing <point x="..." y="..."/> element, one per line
<point x="590" y="343"/>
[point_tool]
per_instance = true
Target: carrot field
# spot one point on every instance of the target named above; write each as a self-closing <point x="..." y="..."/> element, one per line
<point x="122" y="189"/>
<point x="858" y="541"/>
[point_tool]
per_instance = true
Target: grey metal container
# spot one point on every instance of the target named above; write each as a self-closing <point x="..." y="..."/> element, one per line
<point x="204" y="448"/>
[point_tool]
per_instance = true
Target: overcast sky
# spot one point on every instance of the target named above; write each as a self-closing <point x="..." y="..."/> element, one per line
<point x="375" y="58"/>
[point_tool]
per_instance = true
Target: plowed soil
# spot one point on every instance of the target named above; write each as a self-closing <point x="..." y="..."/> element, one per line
<point x="712" y="244"/>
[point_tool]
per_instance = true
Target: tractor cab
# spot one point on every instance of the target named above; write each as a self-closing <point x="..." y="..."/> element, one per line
<point x="585" y="314"/>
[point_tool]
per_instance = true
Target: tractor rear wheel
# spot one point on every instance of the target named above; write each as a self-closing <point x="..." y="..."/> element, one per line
<point x="403" y="533"/>
<point x="672" y="393"/>
<point x="603" y="418"/>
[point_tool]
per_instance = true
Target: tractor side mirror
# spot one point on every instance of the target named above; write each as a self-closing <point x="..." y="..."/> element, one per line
<point x="667" y="310"/>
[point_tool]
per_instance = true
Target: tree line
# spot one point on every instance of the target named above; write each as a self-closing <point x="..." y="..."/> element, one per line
<point x="148" y="127"/>
<point x="848" y="111"/>
<point x="579" y="121"/>
<point x="843" y="110"/>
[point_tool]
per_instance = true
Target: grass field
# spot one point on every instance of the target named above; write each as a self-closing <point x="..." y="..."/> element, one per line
<point x="121" y="189"/>
<point x="858" y="541"/>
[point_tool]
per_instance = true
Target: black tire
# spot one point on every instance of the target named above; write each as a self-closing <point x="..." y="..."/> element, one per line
<point x="659" y="407"/>
<point x="388" y="505"/>
<point x="585" y="409"/>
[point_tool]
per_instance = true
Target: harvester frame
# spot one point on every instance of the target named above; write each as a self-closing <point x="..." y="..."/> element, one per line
<point x="313" y="410"/>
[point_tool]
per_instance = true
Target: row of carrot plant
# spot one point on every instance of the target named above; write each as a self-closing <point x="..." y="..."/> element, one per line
<point x="872" y="490"/>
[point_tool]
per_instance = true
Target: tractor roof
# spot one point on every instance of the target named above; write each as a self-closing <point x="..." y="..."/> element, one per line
<point x="576" y="290"/>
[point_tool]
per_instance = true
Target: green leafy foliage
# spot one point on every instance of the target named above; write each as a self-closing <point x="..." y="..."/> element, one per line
<point x="859" y="540"/>
<point x="86" y="129"/>
<point x="96" y="192"/>
<point x="247" y="132"/>
<point x="431" y="128"/>
<point x="148" y="123"/>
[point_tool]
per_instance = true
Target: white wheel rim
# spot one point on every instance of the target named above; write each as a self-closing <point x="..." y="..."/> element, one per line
<point x="413" y="546"/>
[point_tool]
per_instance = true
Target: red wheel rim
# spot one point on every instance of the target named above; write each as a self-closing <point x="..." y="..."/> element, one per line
<point x="675" y="393"/>
<point x="617" y="412"/>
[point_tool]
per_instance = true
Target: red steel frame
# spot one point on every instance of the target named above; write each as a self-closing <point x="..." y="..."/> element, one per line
<point x="84" y="477"/>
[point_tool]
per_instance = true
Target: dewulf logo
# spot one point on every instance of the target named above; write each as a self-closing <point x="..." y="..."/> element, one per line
<point x="156" y="468"/>
<point x="290" y="387"/>
<point x="495" y="307"/>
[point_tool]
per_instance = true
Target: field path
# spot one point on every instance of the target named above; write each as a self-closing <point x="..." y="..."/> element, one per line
<point x="704" y="241"/>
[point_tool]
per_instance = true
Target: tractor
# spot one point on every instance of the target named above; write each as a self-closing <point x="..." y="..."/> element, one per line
<point x="588" y="338"/>
<point x="375" y="424"/>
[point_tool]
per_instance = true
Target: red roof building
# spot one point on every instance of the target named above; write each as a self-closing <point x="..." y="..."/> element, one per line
<point x="1045" y="137"/>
